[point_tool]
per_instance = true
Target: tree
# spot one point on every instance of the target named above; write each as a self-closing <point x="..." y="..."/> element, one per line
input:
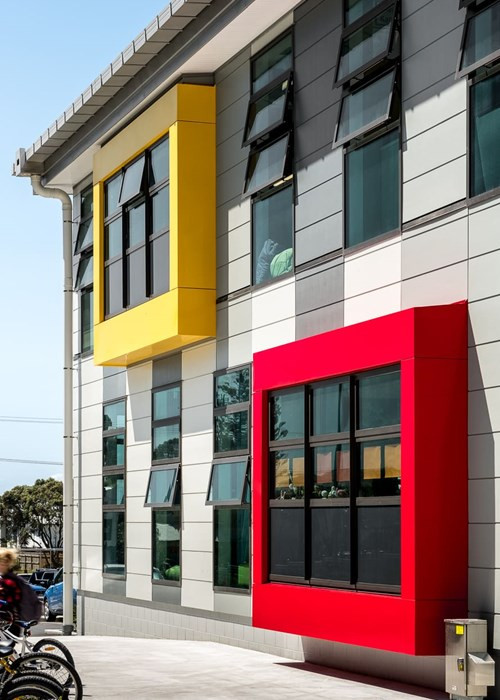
<point x="34" y="513"/>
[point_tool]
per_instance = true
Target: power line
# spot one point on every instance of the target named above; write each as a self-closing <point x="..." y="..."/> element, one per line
<point x="26" y="419"/>
<point x="30" y="461"/>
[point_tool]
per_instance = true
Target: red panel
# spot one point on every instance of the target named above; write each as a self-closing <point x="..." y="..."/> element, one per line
<point x="430" y="343"/>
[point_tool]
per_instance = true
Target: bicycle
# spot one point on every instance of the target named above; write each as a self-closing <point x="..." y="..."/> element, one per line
<point x="46" y="644"/>
<point x="14" y="684"/>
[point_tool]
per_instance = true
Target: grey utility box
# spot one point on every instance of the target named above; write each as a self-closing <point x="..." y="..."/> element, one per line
<point x="469" y="667"/>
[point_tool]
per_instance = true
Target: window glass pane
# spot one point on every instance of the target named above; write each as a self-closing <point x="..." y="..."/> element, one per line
<point x="113" y="490"/>
<point x="372" y="189"/>
<point x="483" y="36"/>
<point x="87" y="320"/>
<point x="287" y="474"/>
<point x="132" y="181"/>
<point x="166" y="545"/>
<point x="162" y="483"/>
<point x="266" y="166"/>
<point x="272" y="234"/>
<point x="167" y="403"/>
<point x="160" y="264"/>
<point x="368" y="42"/>
<point x="113" y="551"/>
<point x="85" y="235"/>
<point x="357" y="8"/>
<point x="231" y="432"/>
<point x="287" y="415"/>
<point x="159" y="162"/>
<point x="380" y="468"/>
<point x="114" y="450"/>
<point x="166" y="442"/>
<point x="286" y="541"/>
<point x="136" y="277"/>
<point x="136" y="225"/>
<point x="227" y="482"/>
<point x="232" y="547"/>
<point x="365" y="108"/>
<point x="379" y="400"/>
<point x="485" y="135"/>
<point x="330" y="544"/>
<point x="113" y="287"/>
<point x="85" y="273"/>
<point x="268" y="111"/>
<point x="112" y="193"/>
<point x="114" y="416"/>
<point x="332" y="468"/>
<point x="272" y="63"/>
<point x="232" y="387"/>
<point x="379" y="545"/>
<point x="86" y="202"/>
<point x="330" y="404"/>
<point x="160" y="205"/>
<point x="113" y="239"/>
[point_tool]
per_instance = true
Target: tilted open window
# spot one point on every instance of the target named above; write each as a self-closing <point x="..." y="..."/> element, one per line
<point x="481" y="37"/>
<point x="163" y="487"/>
<point x="268" y="166"/>
<point x="269" y="109"/>
<point x="229" y="483"/>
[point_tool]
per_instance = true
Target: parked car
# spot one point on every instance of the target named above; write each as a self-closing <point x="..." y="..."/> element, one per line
<point x="39" y="590"/>
<point x="53" y="597"/>
<point x="43" y="577"/>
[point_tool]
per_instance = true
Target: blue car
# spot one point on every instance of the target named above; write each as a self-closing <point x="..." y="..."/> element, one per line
<point x="39" y="590"/>
<point x="53" y="598"/>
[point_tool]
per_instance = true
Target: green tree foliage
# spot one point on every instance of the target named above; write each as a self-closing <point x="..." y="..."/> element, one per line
<point x="34" y="513"/>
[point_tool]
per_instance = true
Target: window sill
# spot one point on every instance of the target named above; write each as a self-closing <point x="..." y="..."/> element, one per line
<point x="115" y="577"/>
<point x="166" y="582"/>
<point x="483" y="197"/>
<point x="364" y="245"/>
<point x="228" y="589"/>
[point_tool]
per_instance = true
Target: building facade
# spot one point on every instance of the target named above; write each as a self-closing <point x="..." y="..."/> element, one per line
<point x="287" y="328"/>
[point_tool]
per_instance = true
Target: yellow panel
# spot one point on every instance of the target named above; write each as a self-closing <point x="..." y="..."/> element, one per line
<point x="185" y="314"/>
<point x="153" y="328"/>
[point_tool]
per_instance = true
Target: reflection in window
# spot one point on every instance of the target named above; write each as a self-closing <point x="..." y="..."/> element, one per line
<point x="228" y="482"/>
<point x="287" y="415"/>
<point x="162" y="487"/>
<point x="166" y="526"/>
<point x="332" y="471"/>
<point x="231" y="432"/>
<point x="379" y="400"/>
<point x="266" y="166"/>
<point x="380" y="468"/>
<point x="232" y="387"/>
<point x="231" y="411"/>
<point x="232" y="547"/>
<point x="272" y="224"/>
<point x="267" y="112"/>
<point x="166" y="427"/>
<point x="372" y="189"/>
<point x="330" y="409"/>
<point x="288" y="470"/>
<point x="485" y="134"/>
<point x="113" y="490"/>
<point x="114" y="415"/>
<point x="132" y="181"/>
<point x="482" y="37"/>
<point x="271" y="64"/>
<point x="113" y="550"/>
<point x="355" y="9"/>
<point x="366" y="108"/>
<point x="366" y="44"/>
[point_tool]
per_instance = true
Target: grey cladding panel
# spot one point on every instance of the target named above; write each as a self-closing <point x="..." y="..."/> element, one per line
<point x="319" y="321"/>
<point x="231" y="153"/>
<point x="167" y="371"/>
<point x="428" y="25"/>
<point x="319" y="203"/>
<point x="230" y="184"/>
<point x="114" y="587"/>
<point x="167" y="594"/>
<point x="319" y="239"/>
<point x="233" y="87"/>
<point x="225" y="71"/>
<point x="114" y="384"/>
<point x="432" y="65"/>
<point x="319" y="287"/>
<point x="304" y="8"/>
<point x="316" y="97"/>
<point x="314" y="138"/>
<point x="232" y="120"/>
<point x="320" y="170"/>
<point x="316" y="24"/>
<point x="319" y="58"/>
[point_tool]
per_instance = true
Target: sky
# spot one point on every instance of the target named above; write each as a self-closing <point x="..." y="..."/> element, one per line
<point x="49" y="53"/>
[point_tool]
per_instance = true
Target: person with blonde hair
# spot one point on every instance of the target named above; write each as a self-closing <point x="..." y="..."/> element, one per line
<point x="10" y="590"/>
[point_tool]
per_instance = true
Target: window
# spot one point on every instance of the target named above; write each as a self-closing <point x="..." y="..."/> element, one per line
<point x="85" y="273"/>
<point x="163" y="491"/>
<point x="136" y="231"/>
<point x="231" y="412"/>
<point x="229" y="485"/>
<point x="114" y="488"/>
<point x="269" y="133"/>
<point x="335" y="475"/>
<point x="481" y="37"/>
<point x="166" y="424"/>
<point x="368" y="119"/>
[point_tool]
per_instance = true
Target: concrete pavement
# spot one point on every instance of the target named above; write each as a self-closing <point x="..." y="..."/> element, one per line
<point x="118" y="667"/>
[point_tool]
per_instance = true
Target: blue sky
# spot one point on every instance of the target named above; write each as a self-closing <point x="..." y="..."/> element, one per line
<point x="49" y="53"/>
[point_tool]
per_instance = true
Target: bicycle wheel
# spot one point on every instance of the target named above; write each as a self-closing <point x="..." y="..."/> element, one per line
<point x="54" y="666"/>
<point x="54" y="646"/>
<point x="32" y="687"/>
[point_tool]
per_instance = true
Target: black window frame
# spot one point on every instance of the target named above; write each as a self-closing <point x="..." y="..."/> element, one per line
<point x="245" y="486"/>
<point x="176" y="507"/>
<point x="354" y="27"/>
<point x="361" y="17"/>
<point x="113" y="470"/>
<point x="148" y="189"/>
<point x="286" y="168"/>
<point x="473" y="10"/>
<point x="175" y="486"/>
<point x="232" y="408"/>
<point x="285" y="115"/>
<point x="85" y="253"/>
<point x="354" y="437"/>
<point x="162" y="422"/>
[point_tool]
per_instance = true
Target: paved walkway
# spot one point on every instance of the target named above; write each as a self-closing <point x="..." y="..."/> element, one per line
<point x="117" y="667"/>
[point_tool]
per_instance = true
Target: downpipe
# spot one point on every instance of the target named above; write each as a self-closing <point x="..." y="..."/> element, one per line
<point x="67" y="217"/>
